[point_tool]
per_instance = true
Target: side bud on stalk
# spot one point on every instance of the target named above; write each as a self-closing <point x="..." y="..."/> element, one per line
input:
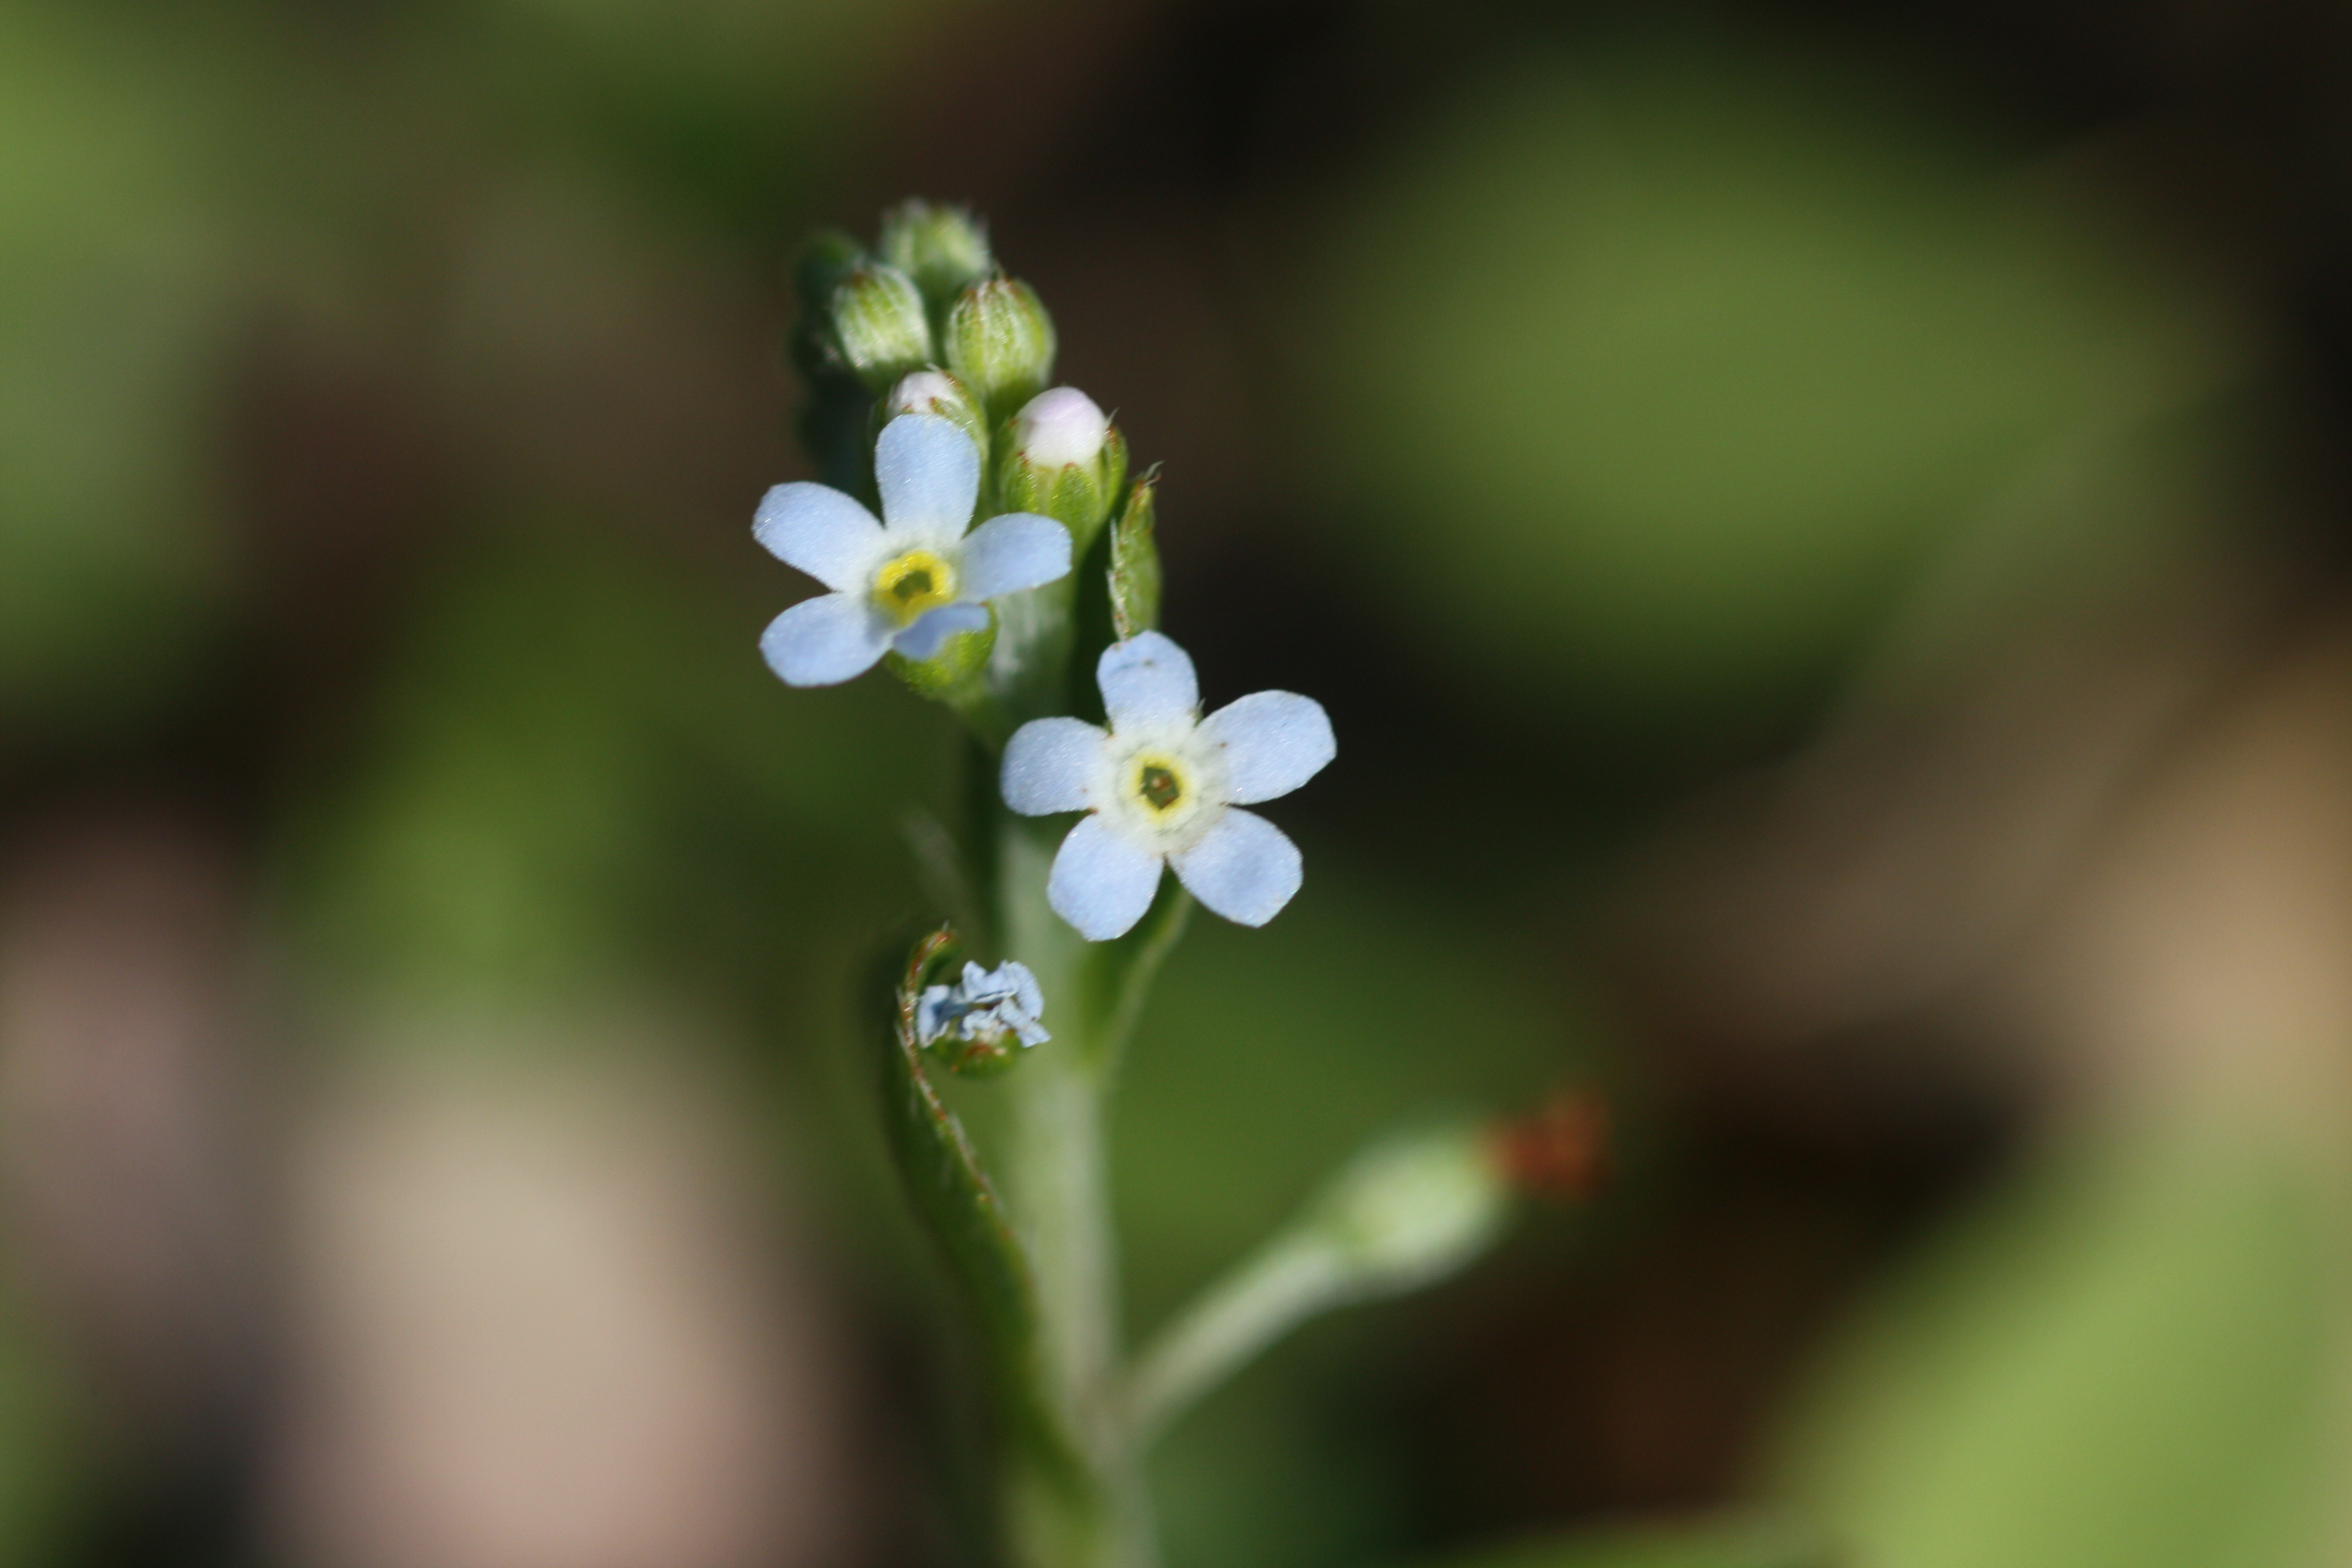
<point x="1001" y="341"/>
<point x="880" y="326"/>
<point x="943" y="248"/>
<point x="1405" y="1212"/>
<point x="936" y="391"/>
<point x="1067" y="460"/>
<point x="1409" y="1212"/>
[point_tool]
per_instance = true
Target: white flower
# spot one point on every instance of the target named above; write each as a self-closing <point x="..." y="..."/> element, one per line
<point x="909" y="582"/>
<point x="984" y="1003"/>
<point x="1161" y="785"/>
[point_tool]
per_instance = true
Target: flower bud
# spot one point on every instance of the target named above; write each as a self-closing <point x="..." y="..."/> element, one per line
<point x="1068" y="461"/>
<point x="878" y="325"/>
<point x="942" y="249"/>
<point x="935" y="391"/>
<point x="1414" y="1209"/>
<point x="1001" y="341"/>
<point x="1061" y="427"/>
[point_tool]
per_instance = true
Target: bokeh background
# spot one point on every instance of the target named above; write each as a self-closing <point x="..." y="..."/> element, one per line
<point x="1820" y="528"/>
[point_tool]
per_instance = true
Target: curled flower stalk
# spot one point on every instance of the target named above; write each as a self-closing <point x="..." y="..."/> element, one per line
<point x="930" y="395"/>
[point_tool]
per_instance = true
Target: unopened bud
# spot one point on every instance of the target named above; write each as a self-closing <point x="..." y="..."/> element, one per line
<point x="943" y="248"/>
<point x="1001" y="341"/>
<point x="1069" y="462"/>
<point x="880" y="326"/>
<point x="1414" y="1209"/>
<point x="936" y="391"/>
<point x="1059" y="427"/>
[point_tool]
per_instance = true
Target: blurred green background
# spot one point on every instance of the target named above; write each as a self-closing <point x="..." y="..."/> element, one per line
<point x="1819" y="527"/>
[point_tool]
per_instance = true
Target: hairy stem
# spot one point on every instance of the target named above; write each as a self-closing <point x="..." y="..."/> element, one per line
<point x="1058" y="1175"/>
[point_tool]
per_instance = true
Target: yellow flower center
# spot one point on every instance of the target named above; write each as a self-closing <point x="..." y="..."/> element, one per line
<point x="909" y="585"/>
<point x="1158" y="783"/>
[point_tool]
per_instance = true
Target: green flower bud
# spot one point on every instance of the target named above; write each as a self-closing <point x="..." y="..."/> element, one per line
<point x="1412" y="1210"/>
<point x="1001" y="341"/>
<point x="1066" y="461"/>
<point x="878" y="325"/>
<point x="935" y="391"/>
<point x="943" y="248"/>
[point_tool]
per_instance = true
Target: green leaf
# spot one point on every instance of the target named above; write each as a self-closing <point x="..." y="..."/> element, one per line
<point x="1135" y="562"/>
<point x="2124" y="1361"/>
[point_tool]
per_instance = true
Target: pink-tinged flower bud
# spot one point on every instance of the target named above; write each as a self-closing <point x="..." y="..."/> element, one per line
<point x="1059" y="428"/>
<point x="1067" y="462"/>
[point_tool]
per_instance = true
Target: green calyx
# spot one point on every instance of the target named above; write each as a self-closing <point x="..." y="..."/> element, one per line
<point x="1079" y="496"/>
<point x="943" y="248"/>
<point x="879" y="327"/>
<point x="939" y="393"/>
<point x="1000" y="341"/>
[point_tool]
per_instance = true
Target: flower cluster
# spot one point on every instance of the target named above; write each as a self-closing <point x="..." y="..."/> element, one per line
<point x="984" y="1005"/>
<point x="924" y="343"/>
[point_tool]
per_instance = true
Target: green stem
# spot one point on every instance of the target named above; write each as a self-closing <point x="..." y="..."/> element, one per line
<point x="1275" y="1291"/>
<point x="1058" y="1177"/>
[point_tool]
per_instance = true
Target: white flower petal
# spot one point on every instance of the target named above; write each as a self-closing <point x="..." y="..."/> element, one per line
<point x="824" y="640"/>
<point x="932" y="628"/>
<point x="1018" y="550"/>
<point x="1271" y="742"/>
<point x="1246" y="868"/>
<point x="1100" y="882"/>
<point x="1146" y="678"/>
<point x="1050" y="766"/>
<point x="821" y="530"/>
<point x="1026" y="989"/>
<point x="928" y="474"/>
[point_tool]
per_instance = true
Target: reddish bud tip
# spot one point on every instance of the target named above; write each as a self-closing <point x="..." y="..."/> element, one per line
<point x="1560" y="1151"/>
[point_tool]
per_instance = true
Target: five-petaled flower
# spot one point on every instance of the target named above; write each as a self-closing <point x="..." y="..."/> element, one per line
<point x="983" y="1006"/>
<point x="909" y="582"/>
<point x="1162" y="784"/>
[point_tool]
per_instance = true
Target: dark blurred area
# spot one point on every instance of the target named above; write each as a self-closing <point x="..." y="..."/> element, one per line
<point x="1822" y="530"/>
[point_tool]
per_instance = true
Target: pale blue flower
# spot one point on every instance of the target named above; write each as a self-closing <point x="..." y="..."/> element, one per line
<point x="1162" y="785"/>
<point x="983" y="1005"/>
<point x="909" y="582"/>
